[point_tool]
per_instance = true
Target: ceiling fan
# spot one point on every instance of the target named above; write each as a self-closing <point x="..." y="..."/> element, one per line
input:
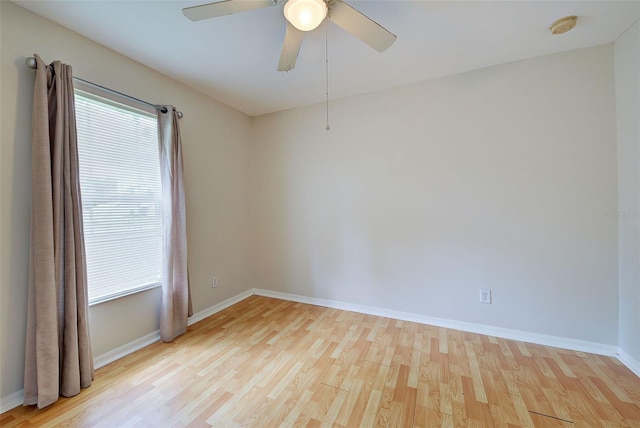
<point x="302" y="16"/>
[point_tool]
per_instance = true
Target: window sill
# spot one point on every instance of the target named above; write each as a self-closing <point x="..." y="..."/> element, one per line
<point x="111" y="297"/>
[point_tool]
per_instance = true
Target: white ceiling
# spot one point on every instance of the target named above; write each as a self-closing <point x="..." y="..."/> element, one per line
<point x="234" y="58"/>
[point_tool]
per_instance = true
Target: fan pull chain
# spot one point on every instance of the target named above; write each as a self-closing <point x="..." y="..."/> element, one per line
<point x="326" y="56"/>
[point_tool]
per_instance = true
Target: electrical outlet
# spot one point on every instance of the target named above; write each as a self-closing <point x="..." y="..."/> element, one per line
<point x="485" y="296"/>
<point x="214" y="282"/>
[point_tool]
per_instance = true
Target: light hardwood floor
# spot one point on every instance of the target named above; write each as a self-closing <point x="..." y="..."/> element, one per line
<point x="269" y="363"/>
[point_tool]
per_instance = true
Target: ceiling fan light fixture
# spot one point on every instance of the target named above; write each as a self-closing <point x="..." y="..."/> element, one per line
<point x="305" y="15"/>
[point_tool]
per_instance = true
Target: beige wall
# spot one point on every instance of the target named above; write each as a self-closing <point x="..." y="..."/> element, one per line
<point x="498" y="178"/>
<point x="215" y="139"/>
<point x="627" y="66"/>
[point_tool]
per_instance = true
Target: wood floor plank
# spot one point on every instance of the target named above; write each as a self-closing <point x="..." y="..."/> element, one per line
<point x="272" y="363"/>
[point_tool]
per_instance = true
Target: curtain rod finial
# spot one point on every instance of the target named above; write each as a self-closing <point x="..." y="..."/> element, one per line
<point x="31" y="62"/>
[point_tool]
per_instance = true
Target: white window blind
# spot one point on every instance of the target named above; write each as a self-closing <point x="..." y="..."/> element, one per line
<point x="121" y="196"/>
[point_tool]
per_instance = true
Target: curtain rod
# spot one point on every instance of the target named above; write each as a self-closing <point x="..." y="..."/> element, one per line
<point x="31" y="63"/>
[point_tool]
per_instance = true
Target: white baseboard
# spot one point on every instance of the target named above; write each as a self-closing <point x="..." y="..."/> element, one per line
<point x="630" y="362"/>
<point x="220" y="306"/>
<point x="523" y="336"/>
<point x="12" y="400"/>
<point x="126" y="349"/>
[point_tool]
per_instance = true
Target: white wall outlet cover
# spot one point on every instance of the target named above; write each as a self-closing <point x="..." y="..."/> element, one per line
<point x="485" y="296"/>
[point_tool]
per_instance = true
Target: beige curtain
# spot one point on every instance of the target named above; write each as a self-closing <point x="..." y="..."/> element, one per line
<point x="176" y="296"/>
<point x="58" y="357"/>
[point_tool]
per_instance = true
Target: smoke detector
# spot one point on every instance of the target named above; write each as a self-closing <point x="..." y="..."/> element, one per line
<point x="563" y="25"/>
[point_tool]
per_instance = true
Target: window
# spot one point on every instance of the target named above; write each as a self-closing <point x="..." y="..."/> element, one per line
<point x="121" y="194"/>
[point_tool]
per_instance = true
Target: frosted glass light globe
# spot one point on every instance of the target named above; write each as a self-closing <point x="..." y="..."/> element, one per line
<point x="305" y="15"/>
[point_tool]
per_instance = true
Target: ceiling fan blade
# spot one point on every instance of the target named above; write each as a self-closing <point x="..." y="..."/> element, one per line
<point x="361" y="26"/>
<point x="224" y="7"/>
<point x="290" y="48"/>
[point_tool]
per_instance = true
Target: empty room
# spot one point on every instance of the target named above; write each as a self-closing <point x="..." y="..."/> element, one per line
<point x="306" y="213"/>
